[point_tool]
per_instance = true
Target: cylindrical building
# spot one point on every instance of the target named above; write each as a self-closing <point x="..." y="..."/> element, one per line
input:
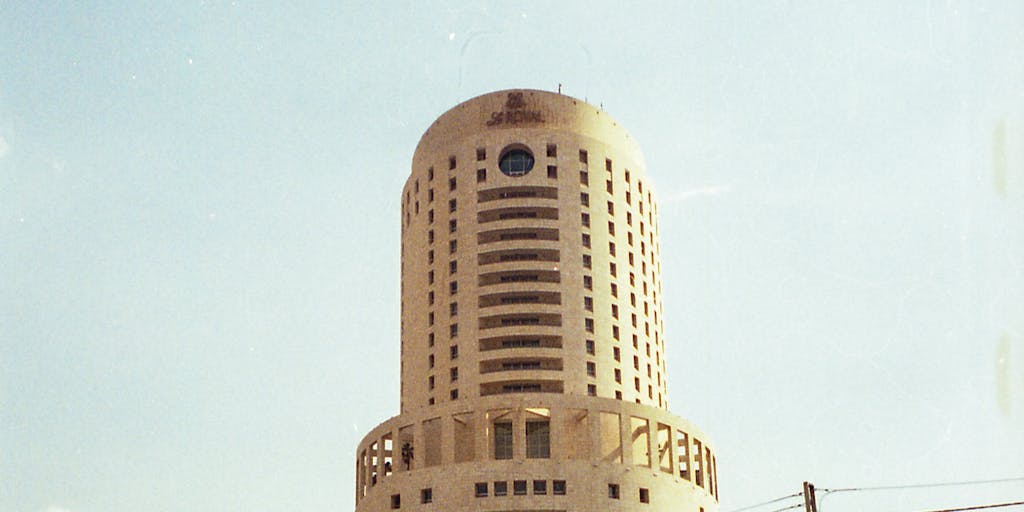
<point x="533" y="354"/>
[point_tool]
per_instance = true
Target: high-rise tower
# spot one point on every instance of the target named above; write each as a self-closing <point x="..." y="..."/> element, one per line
<point x="533" y="352"/>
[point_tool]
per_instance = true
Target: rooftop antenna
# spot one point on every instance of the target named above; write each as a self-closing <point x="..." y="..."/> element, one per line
<point x="559" y="87"/>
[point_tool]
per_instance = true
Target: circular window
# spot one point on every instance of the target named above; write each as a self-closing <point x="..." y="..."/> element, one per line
<point x="516" y="162"/>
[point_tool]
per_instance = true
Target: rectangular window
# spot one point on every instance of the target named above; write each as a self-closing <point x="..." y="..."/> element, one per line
<point x="453" y="267"/>
<point x="501" y="488"/>
<point x="591" y="369"/>
<point x="481" y="175"/>
<point x="611" y="248"/>
<point x="453" y="309"/>
<point x="430" y="339"/>
<point x="590" y="347"/>
<point x="430" y="318"/>
<point x="454" y="394"/>
<point x="586" y="261"/>
<point x="552" y="150"/>
<point x="454" y="374"/>
<point x="588" y="324"/>
<point x="453" y="287"/>
<point x="481" y="489"/>
<point x="452" y="246"/>
<point x="618" y="376"/>
<point x="430" y="195"/>
<point x="608" y="186"/>
<point x="396" y="501"/>
<point x="430" y="236"/>
<point x="451" y="163"/>
<point x="611" y="228"/>
<point x="503" y="441"/>
<point x="430" y="382"/>
<point x="430" y="216"/>
<point x="558" y="487"/>
<point x="611" y="208"/>
<point x="451" y="183"/>
<point x="588" y="282"/>
<point x="583" y="156"/>
<point x="481" y="153"/>
<point x="645" y="495"/>
<point x="452" y="205"/>
<point x="540" y="486"/>
<point x="552" y="171"/>
<point x="584" y="199"/>
<point x="430" y="277"/>
<point x="616" y="353"/>
<point x="586" y="240"/>
<point x="519" y="487"/>
<point x="592" y="389"/>
<point x="452" y="225"/>
<point x="608" y="164"/>
<point x="613" y="491"/>
<point x="430" y="174"/>
<point x="585" y="219"/>
<point x="585" y="178"/>
<point x="453" y="352"/>
<point x="430" y="361"/>
<point x="427" y="495"/>
<point x="538" y="440"/>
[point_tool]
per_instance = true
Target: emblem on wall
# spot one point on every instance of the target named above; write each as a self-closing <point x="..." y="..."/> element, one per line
<point x="515" y="112"/>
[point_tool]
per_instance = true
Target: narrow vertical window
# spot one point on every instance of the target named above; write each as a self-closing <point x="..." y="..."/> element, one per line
<point x="503" y="440"/>
<point x="538" y="440"/>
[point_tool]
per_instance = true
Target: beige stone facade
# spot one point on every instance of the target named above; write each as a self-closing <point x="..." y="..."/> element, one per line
<point x="533" y="351"/>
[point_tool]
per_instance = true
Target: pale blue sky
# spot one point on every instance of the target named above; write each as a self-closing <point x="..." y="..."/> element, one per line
<point x="199" y="236"/>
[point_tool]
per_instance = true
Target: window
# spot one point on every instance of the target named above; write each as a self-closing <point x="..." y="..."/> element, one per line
<point x="481" y="489"/>
<point x="613" y="491"/>
<point x="454" y="374"/>
<point x="396" y="501"/>
<point x="618" y="376"/>
<point x="583" y="156"/>
<point x="430" y="297"/>
<point x="552" y="150"/>
<point x="481" y="154"/>
<point x="503" y="442"/>
<point x="586" y="240"/>
<point x="453" y="309"/>
<point x="430" y="216"/>
<point x="538" y="440"/>
<point x="427" y="495"/>
<point x="516" y="162"/>
<point x="585" y="178"/>
<point x="611" y="208"/>
<point x="613" y="270"/>
<point x="645" y="495"/>
<point x="590" y="347"/>
<point x="430" y="339"/>
<point x="519" y="487"/>
<point x="430" y="318"/>
<point x="501" y="488"/>
<point x="451" y="163"/>
<point x="453" y="351"/>
<point x="588" y="324"/>
<point x="451" y="183"/>
<point x="430" y="382"/>
<point x="453" y="267"/>
<point x="558" y="487"/>
<point x="552" y="171"/>
<point x="608" y="186"/>
<point x="611" y="248"/>
<point x="616" y="353"/>
<point x="430" y="174"/>
<point x="608" y="164"/>
<point x="430" y="236"/>
<point x="452" y="225"/>
<point x="452" y="205"/>
<point x="588" y="282"/>
<point x="592" y="389"/>
<point x="481" y="175"/>
<point x="585" y="219"/>
<point x="430" y="277"/>
<point x="430" y="361"/>
<point x="454" y="394"/>
<point x="586" y="261"/>
<point x="588" y="303"/>
<point x="453" y="287"/>
<point x="591" y="369"/>
<point x="540" y="486"/>
<point x="452" y="246"/>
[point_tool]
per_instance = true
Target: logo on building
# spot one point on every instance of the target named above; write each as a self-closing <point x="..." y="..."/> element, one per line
<point x="515" y="112"/>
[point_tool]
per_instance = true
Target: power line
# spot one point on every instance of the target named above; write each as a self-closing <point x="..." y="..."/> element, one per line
<point x="776" y="500"/>
<point x="979" y="507"/>
<point x="791" y="507"/>
<point x="922" y="486"/>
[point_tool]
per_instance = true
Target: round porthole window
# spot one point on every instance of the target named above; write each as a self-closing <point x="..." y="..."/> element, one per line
<point x="516" y="162"/>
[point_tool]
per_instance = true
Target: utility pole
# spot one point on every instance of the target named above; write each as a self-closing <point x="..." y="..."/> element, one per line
<point x="810" y="505"/>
